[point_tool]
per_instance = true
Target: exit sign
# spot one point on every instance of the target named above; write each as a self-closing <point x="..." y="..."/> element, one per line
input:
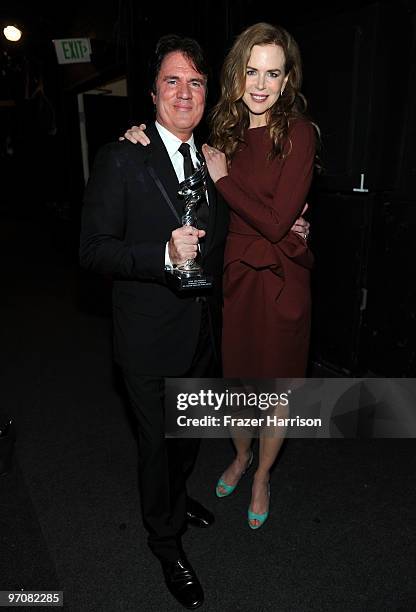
<point x="73" y="50"/>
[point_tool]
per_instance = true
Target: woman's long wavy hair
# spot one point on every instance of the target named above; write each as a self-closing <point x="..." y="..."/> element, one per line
<point x="230" y="116"/>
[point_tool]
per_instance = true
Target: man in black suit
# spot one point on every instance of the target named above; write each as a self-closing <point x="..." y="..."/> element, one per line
<point x="131" y="229"/>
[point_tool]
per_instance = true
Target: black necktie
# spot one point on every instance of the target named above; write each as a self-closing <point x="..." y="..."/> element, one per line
<point x="202" y="212"/>
<point x="188" y="167"/>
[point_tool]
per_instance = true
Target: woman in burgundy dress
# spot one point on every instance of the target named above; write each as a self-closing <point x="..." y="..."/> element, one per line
<point x="262" y="164"/>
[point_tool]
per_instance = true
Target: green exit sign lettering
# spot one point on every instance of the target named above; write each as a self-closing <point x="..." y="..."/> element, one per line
<point x="73" y="50"/>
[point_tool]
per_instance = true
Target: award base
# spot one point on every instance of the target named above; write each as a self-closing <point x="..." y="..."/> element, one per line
<point x="186" y="281"/>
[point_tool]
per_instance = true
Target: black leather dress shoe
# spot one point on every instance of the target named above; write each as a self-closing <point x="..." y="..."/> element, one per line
<point x="183" y="583"/>
<point x="197" y="515"/>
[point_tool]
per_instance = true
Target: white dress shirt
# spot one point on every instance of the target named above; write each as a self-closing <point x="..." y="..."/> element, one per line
<point x="172" y="144"/>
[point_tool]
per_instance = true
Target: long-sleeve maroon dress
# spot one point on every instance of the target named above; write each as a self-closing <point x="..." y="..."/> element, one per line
<point x="267" y="266"/>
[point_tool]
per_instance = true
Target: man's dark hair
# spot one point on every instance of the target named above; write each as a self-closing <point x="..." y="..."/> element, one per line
<point x="171" y="43"/>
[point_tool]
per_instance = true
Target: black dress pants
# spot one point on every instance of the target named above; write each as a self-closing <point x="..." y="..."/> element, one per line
<point x="165" y="464"/>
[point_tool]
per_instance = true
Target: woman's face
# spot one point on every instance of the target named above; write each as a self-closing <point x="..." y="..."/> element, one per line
<point x="265" y="78"/>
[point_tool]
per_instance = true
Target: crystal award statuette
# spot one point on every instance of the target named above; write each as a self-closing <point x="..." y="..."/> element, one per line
<point x="189" y="274"/>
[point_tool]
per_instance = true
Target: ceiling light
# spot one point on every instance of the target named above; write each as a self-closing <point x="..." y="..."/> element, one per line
<point x="12" y="33"/>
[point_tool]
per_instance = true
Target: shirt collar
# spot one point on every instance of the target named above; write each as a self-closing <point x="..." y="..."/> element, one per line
<point x="172" y="142"/>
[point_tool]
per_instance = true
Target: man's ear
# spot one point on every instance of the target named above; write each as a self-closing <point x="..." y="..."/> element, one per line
<point x="153" y="97"/>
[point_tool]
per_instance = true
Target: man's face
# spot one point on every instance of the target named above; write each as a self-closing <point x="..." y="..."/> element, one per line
<point x="180" y="95"/>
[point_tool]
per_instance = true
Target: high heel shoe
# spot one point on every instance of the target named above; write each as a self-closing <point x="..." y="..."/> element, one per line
<point x="252" y="516"/>
<point x="230" y="488"/>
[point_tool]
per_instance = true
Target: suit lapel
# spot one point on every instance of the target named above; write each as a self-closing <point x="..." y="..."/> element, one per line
<point x="212" y="203"/>
<point x="160" y="168"/>
<point x="212" y="199"/>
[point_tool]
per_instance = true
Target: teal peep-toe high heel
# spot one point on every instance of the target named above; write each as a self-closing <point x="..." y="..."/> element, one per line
<point x="261" y="518"/>
<point x="230" y="488"/>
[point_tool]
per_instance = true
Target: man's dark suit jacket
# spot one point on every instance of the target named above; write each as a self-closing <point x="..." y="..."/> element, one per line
<point x="130" y="209"/>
